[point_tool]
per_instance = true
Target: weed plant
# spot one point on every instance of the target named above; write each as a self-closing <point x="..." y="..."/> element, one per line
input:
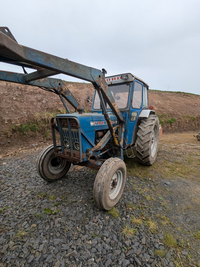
<point x="39" y="123"/>
<point x="169" y="240"/>
<point x="114" y="212"/>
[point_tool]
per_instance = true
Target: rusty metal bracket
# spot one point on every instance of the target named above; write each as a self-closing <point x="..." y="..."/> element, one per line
<point x="7" y="32"/>
<point x="102" y="143"/>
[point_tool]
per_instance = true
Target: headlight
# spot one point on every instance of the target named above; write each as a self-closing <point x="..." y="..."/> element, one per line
<point x="66" y="144"/>
<point x="133" y="116"/>
<point x="77" y="146"/>
<point x="124" y="76"/>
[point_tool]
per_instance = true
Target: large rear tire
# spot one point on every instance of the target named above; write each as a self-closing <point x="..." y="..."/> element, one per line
<point x="109" y="183"/>
<point x="50" y="167"/>
<point x="147" y="140"/>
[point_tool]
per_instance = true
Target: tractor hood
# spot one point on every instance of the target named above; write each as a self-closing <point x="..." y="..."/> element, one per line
<point x="91" y="121"/>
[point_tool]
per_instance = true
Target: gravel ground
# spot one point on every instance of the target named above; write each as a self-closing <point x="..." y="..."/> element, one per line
<point x="58" y="224"/>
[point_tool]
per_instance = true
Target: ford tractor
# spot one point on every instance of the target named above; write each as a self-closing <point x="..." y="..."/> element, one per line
<point x="120" y="119"/>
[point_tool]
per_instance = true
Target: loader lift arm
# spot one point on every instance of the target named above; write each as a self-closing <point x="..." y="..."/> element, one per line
<point x="45" y="65"/>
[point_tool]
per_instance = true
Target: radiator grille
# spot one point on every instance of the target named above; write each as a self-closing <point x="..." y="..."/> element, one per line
<point x="70" y="134"/>
<point x="74" y="135"/>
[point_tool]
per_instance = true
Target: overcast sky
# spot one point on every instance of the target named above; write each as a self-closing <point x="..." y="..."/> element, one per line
<point x="158" y="41"/>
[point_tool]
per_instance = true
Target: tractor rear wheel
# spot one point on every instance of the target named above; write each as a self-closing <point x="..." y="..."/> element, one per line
<point x="50" y="167"/>
<point x="147" y="140"/>
<point x="109" y="183"/>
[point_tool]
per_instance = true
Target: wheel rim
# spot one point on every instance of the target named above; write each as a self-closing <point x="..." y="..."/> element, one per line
<point x="116" y="184"/>
<point x="153" y="143"/>
<point x="56" y="165"/>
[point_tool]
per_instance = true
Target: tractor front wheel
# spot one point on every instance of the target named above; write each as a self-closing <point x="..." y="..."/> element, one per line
<point x="50" y="167"/>
<point x="109" y="183"/>
<point x="147" y="140"/>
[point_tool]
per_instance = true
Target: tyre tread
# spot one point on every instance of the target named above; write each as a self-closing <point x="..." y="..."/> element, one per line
<point x="144" y="137"/>
<point x="101" y="179"/>
<point x="41" y="161"/>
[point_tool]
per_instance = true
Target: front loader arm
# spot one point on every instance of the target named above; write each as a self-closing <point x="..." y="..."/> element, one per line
<point x="59" y="86"/>
<point x="47" y="65"/>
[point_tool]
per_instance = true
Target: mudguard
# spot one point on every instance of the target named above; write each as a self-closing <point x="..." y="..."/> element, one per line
<point x="145" y="113"/>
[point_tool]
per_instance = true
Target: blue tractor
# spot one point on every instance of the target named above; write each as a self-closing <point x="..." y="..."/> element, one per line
<point x="120" y="119"/>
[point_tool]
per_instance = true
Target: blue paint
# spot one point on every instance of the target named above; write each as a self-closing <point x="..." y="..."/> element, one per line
<point x="85" y="129"/>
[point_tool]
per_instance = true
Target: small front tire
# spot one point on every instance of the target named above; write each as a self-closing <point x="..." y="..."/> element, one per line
<point x="109" y="183"/>
<point x="50" y="167"/>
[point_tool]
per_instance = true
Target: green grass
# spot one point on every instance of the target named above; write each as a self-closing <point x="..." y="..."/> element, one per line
<point x="151" y="225"/>
<point x="136" y="169"/>
<point x="166" y="166"/>
<point x="3" y="209"/>
<point x="47" y="134"/>
<point x="169" y="240"/>
<point x="21" y="233"/>
<point x="197" y="235"/>
<point x="47" y="211"/>
<point x="175" y="92"/>
<point x="161" y="119"/>
<point x="55" y="211"/>
<point x="52" y="197"/>
<point x="128" y="231"/>
<point x="39" y="123"/>
<point x="50" y="212"/>
<point x="166" y="118"/>
<point x="160" y="253"/>
<point x="94" y="235"/>
<point x="137" y="221"/>
<point x="189" y="118"/>
<point x="114" y="212"/>
<point x="131" y="206"/>
<point x="42" y="194"/>
<point x="172" y="120"/>
<point x="26" y="127"/>
<point x="165" y="220"/>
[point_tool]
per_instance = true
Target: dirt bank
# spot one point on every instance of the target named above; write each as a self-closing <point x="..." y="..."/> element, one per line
<point x="177" y="111"/>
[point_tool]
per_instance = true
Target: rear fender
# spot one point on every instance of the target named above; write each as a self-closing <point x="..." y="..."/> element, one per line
<point x="145" y="113"/>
